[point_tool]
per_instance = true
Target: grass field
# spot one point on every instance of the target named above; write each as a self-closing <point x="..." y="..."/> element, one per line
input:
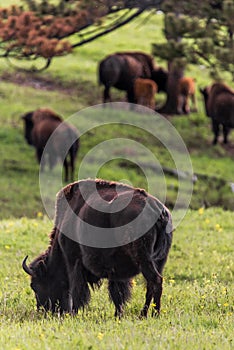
<point x="197" y="303"/>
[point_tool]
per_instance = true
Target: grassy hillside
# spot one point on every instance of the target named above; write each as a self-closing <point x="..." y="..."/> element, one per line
<point x="70" y="85"/>
<point x="197" y="302"/>
<point x="198" y="298"/>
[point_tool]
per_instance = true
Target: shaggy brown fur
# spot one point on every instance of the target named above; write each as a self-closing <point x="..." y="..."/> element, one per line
<point x="120" y="69"/>
<point x="40" y="125"/>
<point x="61" y="276"/>
<point x="186" y="91"/>
<point x="219" y="105"/>
<point x="145" y="90"/>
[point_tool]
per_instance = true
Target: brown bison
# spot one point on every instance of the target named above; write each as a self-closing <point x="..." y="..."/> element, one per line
<point x="186" y="91"/>
<point x="145" y="90"/>
<point x="39" y="125"/>
<point x="121" y="69"/>
<point x="102" y="230"/>
<point x="219" y="105"/>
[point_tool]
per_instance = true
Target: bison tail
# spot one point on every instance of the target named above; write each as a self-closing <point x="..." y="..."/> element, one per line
<point x="163" y="242"/>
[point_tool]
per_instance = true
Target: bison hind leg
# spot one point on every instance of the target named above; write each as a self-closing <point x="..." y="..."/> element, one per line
<point x="120" y="293"/>
<point x="106" y="94"/>
<point x="215" y="128"/>
<point x="154" y="281"/>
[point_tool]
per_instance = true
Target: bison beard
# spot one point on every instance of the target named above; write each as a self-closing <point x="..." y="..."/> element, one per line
<point x="61" y="276"/>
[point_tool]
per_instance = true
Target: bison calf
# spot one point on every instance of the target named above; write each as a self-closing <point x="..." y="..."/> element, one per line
<point x="186" y="91"/>
<point x="102" y="230"/>
<point x="145" y="90"/>
<point x="39" y="126"/>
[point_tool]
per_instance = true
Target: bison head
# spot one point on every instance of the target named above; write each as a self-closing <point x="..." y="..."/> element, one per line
<point x="28" y="126"/>
<point x="50" y="287"/>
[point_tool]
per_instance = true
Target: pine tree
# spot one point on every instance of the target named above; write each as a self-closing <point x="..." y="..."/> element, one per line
<point x="196" y="32"/>
<point x="200" y="35"/>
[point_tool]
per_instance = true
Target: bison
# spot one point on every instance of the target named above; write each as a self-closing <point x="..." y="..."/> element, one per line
<point x="219" y="105"/>
<point x="121" y="69"/>
<point x="39" y="125"/>
<point x="137" y="228"/>
<point x="145" y="90"/>
<point x="186" y="91"/>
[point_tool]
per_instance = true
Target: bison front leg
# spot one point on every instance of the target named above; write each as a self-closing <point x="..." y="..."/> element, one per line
<point x="79" y="289"/>
<point x="65" y="165"/>
<point x="120" y="293"/>
<point x="226" y="131"/>
<point x="131" y="95"/>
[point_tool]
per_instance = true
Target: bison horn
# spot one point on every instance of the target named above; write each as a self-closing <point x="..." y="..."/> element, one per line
<point x="26" y="268"/>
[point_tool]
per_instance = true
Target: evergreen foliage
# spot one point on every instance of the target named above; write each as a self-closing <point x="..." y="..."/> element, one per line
<point x="42" y="28"/>
<point x="201" y="34"/>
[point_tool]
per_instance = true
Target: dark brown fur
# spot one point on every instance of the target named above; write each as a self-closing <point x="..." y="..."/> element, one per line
<point x="39" y="126"/>
<point x="61" y="276"/>
<point x="219" y="105"/>
<point x="120" y="69"/>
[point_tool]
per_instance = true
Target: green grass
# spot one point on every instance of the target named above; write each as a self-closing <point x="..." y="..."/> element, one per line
<point x="197" y="302"/>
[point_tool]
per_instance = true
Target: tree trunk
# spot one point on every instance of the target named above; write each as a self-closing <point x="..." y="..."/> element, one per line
<point x="175" y="74"/>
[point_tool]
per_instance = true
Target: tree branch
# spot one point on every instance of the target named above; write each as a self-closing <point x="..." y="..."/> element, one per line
<point x="111" y="29"/>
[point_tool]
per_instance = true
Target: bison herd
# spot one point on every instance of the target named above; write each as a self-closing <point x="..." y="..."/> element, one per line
<point x="137" y="74"/>
<point x="62" y="276"/>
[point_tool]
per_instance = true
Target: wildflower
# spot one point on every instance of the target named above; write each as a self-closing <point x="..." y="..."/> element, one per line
<point x="224" y="290"/>
<point x="201" y="211"/>
<point x="218" y="228"/>
<point x="39" y="214"/>
<point x="7" y="247"/>
<point x="225" y="304"/>
<point x="133" y="282"/>
<point x="153" y="304"/>
<point x="100" y="336"/>
<point x="207" y="221"/>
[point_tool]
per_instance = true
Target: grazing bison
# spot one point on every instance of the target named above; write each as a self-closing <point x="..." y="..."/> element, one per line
<point x="120" y="69"/>
<point x="145" y="90"/>
<point x="219" y="105"/>
<point x="186" y="91"/>
<point x="89" y="215"/>
<point x="39" y="126"/>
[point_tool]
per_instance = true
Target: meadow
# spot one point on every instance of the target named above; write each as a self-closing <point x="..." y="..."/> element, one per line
<point x="197" y="303"/>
